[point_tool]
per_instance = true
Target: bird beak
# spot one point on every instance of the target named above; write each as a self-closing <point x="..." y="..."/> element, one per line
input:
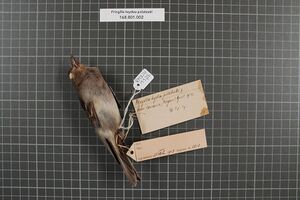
<point x="70" y="76"/>
<point x="70" y="73"/>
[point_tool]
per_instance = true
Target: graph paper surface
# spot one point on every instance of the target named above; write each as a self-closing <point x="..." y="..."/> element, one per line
<point x="246" y="52"/>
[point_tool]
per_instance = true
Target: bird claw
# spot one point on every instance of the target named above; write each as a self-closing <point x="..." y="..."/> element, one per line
<point x="118" y="143"/>
<point x="123" y="146"/>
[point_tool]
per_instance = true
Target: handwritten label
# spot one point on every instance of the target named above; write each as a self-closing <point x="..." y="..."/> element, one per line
<point x="170" y="106"/>
<point x="167" y="145"/>
<point x="142" y="80"/>
<point x="132" y="15"/>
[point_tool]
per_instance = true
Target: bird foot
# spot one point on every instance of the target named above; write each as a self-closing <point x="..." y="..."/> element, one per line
<point x="123" y="146"/>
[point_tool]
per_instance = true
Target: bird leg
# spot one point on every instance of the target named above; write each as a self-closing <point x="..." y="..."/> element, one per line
<point x="122" y="146"/>
<point x="120" y="139"/>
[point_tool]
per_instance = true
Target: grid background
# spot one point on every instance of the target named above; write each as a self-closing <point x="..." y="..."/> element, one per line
<point x="246" y="52"/>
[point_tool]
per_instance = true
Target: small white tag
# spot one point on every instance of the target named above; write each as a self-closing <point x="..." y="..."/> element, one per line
<point x="142" y="80"/>
<point x="132" y="15"/>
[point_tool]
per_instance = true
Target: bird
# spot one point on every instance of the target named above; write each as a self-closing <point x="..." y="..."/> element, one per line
<point x="103" y="110"/>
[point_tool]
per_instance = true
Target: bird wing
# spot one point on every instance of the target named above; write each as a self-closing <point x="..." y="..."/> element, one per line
<point x="96" y="72"/>
<point x="91" y="112"/>
<point x="118" y="103"/>
<point x="112" y="150"/>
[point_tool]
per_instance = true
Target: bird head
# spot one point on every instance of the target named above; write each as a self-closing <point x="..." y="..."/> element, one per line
<point x="76" y="68"/>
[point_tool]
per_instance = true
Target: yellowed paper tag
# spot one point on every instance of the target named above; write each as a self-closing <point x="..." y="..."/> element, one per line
<point x="170" y="106"/>
<point x="167" y="145"/>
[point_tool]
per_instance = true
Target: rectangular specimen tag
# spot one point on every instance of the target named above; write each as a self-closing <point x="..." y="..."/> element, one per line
<point x="170" y="106"/>
<point x="167" y="145"/>
<point x="132" y="15"/>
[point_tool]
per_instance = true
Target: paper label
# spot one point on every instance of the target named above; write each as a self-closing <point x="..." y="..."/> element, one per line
<point x="170" y="106"/>
<point x="167" y="145"/>
<point x="132" y="15"/>
<point x="142" y="80"/>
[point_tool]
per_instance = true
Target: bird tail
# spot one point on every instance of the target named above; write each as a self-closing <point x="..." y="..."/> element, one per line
<point x="128" y="168"/>
<point x="119" y="153"/>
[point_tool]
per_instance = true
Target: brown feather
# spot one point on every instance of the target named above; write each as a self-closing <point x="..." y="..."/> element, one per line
<point x="121" y="157"/>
